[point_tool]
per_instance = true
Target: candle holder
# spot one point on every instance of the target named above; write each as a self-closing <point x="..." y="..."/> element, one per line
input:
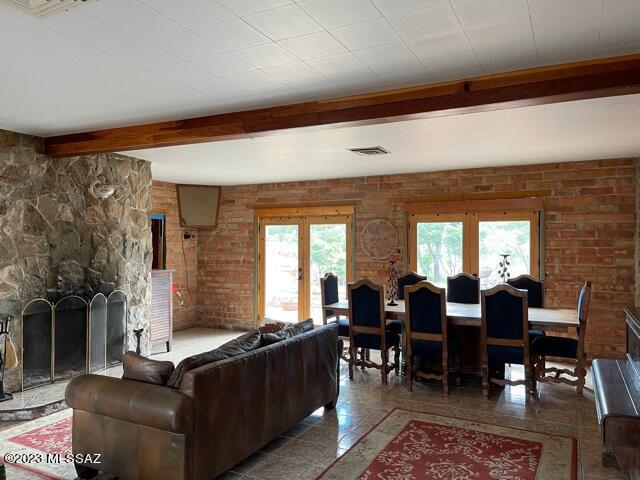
<point x="138" y="334"/>
<point x="4" y="332"/>
<point x="392" y="284"/>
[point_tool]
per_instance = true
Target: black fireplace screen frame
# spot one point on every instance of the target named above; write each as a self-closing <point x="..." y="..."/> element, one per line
<point x="42" y="331"/>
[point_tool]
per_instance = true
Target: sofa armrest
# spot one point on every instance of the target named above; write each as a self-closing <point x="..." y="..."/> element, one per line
<point x="154" y="406"/>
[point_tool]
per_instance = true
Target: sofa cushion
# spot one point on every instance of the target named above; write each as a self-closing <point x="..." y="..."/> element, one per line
<point x="291" y="331"/>
<point x="245" y="343"/>
<point x="143" y="369"/>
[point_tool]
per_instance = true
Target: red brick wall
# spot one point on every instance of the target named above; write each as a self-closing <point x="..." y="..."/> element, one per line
<point x="590" y="234"/>
<point x="185" y="264"/>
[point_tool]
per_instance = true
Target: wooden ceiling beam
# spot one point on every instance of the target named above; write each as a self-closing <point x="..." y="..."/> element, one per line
<point x="535" y="86"/>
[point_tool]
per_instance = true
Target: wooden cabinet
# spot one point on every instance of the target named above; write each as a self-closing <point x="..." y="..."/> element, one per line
<point x="161" y="322"/>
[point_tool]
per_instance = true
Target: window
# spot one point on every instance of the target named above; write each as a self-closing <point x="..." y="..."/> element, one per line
<point x="473" y="241"/>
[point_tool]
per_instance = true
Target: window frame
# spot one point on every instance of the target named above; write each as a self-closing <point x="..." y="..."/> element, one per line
<point x="471" y="213"/>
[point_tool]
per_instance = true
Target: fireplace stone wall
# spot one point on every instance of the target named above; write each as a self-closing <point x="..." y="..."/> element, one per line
<point x="57" y="239"/>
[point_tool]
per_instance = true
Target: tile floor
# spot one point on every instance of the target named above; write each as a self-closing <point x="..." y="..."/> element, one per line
<point x="304" y="451"/>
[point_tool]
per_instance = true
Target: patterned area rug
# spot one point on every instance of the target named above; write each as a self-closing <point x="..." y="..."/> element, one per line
<point x="409" y="445"/>
<point x="41" y="446"/>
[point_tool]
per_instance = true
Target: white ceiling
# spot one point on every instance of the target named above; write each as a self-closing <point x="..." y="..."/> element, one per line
<point x="122" y="62"/>
<point x="589" y="129"/>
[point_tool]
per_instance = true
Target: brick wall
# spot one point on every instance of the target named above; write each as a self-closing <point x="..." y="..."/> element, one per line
<point x="590" y="234"/>
<point x="185" y="265"/>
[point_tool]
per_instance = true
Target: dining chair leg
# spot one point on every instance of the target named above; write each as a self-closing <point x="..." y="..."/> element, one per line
<point x="581" y="373"/>
<point x="533" y="375"/>
<point x="396" y="360"/>
<point x="352" y="355"/>
<point x="528" y="380"/>
<point x="363" y="358"/>
<point x="409" y="374"/>
<point x="445" y="380"/>
<point x="383" y="367"/>
<point x="485" y="380"/>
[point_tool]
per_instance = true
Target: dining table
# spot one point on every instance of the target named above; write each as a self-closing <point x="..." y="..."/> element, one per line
<point x="466" y="314"/>
<point x="466" y="320"/>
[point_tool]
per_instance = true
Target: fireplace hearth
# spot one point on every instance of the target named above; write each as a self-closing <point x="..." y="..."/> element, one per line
<point x="72" y="336"/>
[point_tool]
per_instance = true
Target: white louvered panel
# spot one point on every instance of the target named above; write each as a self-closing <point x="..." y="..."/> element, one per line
<point x="161" y="321"/>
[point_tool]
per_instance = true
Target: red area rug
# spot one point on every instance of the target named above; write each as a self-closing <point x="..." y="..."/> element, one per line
<point x="418" y="446"/>
<point x="40" y="446"/>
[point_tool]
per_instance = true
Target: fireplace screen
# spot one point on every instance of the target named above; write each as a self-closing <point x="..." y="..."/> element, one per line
<point x="37" y="336"/>
<point x="72" y="337"/>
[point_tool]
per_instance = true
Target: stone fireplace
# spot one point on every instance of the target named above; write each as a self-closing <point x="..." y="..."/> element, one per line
<point x="58" y="240"/>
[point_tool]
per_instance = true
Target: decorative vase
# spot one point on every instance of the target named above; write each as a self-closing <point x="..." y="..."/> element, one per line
<point x="392" y="284"/>
<point x="503" y="268"/>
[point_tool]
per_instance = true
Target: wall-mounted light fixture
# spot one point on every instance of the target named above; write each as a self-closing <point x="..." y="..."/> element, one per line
<point x="102" y="190"/>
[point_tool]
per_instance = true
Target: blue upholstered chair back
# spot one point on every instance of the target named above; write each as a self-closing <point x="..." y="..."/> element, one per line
<point x="330" y="290"/>
<point x="463" y="288"/>
<point x="407" y="280"/>
<point x="504" y="314"/>
<point x="425" y="313"/>
<point x="365" y="306"/>
<point x="533" y="286"/>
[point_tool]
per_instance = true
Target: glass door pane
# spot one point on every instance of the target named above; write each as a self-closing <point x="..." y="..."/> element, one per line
<point x="281" y="271"/>
<point x="439" y="250"/>
<point x="503" y="237"/>
<point x="327" y="253"/>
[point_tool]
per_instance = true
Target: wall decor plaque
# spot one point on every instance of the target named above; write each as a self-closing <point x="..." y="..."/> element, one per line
<point x="379" y="239"/>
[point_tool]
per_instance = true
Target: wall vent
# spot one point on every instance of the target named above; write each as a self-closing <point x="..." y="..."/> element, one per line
<point x="43" y="8"/>
<point x="369" y="151"/>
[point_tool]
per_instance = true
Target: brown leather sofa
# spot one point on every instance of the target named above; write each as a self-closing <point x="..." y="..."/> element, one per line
<point x="221" y="413"/>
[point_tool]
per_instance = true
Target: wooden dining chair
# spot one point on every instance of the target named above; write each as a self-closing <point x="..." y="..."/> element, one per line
<point x="463" y="288"/>
<point x="329" y="294"/>
<point x="534" y="287"/>
<point x="426" y="331"/>
<point x="535" y="290"/>
<point x="368" y="329"/>
<point x="505" y="335"/>
<point x="565" y="348"/>
<point x="406" y="280"/>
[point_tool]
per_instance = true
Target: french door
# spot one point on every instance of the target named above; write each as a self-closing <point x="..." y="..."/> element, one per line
<point x="443" y="245"/>
<point x="294" y="252"/>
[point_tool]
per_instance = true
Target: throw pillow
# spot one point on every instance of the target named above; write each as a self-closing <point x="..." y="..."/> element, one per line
<point x="291" y="331"/>
<point x="143" y="369"/>
<point x="245" y="343"/>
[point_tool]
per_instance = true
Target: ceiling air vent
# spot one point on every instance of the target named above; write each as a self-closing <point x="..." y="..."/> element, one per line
<point x="43" y="8"/>
<point x="369" y="151"/>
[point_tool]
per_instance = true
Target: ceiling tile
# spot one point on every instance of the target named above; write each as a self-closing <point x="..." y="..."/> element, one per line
<point x="283" y="22"/>
<point x="186" y="45"/>
<point x="184" y="72"/>
<point x="337" y="13"/>
<point x="146" y="56"/>
<point x="514" y="31"/>
<point x="266" y="55"/>
<point x="438" y="20"/>
<point x="219" y="87"/>
<point x="393" y="62"/>
<point x="462" y="64"/>
<point x="223" y="64"/>
<point x="620" y="23"/>
<point x="507" y="57"/>
<point x="133" y="16"/>
<point x="193" y="13"/>
<point x="314" y="45"/>
<point x="472" y="13"/>
<point x="233" y="35"/>
<point x="258" y="82"/>
<point x="441" y="45"/>
<point x="366" y="34"/>
<point x="247" y="7"/>
<point x="292" y="72"/>
<point x="89" y="30"/>
<point x="389" y="7"/>
<point x="346" y="70"/>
